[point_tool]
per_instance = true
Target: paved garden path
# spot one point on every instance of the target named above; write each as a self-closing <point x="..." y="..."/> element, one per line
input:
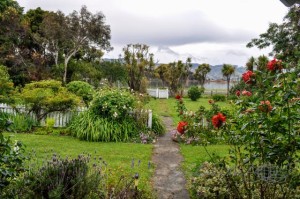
<point x="168" y="181"/>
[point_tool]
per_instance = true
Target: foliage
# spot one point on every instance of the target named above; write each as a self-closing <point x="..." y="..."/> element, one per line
<point x="16" y="123"/>
<point x="219" y="97"/>
<point x="264" y="136"/>
<point x="82" y="70"/>
<point x="284" y="38"/>
<point x="209" y="183"/>
<point x="11" y="160"/>
<point x="47" y="96"/>
<point x="6" y="86"/>
<point x="82" y="89"/>
<point x="175" y="75"/>
<point x="213" y="181"/>
<point x="123" y="159"/>
<point x="201" y="72"/>
<point x="138" y="61"/>
<point x="227" y="71"/>
<point x="63" y="178"/>
<point x="158" y="126"/>
<point x="194" y="93"/>
<point x="113" y="71"/>
<point x="113" y="103"/>
<point x="90" y="127"/>
<point x="198" y="128"/>
<point x="69" y="34"/>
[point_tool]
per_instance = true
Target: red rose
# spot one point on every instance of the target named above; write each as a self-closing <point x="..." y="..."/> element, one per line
<point x="247" y="77"/>
<point x="265" y="106"/>
<point x="238" y="93"/>
<point x="181" y="127"/>
<point x="178" y="97"/>
<point x="218" y="120"/>
<point x="246" y="93"/>
<point x="274" y="65"/>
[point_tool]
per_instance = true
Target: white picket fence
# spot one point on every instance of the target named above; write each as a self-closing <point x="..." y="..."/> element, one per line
<point x="61" y="118"/>
<point x="158" y="93"/>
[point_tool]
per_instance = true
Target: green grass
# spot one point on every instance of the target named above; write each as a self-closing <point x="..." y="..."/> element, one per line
<point x="118" y="156"/>
<point x="195" y="155"/>
<point x="167" y="107"/>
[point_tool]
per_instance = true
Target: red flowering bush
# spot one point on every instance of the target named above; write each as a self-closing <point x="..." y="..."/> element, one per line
<point x="181" y="127"/>
<point x="274" y="65"/>
<point x="248" y="77"/>
<point x="246" y="93"/>
<point x="265" y="106"/>
<point x="218" y="120"/>
<point x="237" y="93"/>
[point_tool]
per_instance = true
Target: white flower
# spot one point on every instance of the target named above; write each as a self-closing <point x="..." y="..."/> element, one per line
<point x="16" y="147"/>
<point x="115" y="114"/>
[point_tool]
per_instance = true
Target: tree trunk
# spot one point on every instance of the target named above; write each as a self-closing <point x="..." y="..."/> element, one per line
<point x="228" y="82"/>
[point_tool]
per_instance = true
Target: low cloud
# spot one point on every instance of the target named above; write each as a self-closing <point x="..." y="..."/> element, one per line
<point x="173" y="30"/>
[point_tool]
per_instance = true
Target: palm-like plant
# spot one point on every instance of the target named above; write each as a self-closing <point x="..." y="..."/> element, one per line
<point x="201" y="72"/>
<point x="227" y="71"/>
<point x="250" y="63"/>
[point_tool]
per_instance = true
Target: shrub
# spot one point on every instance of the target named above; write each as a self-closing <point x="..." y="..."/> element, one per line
<point x="113" y="104"/>
<point x="194" y="93"/>
<point x="219" y="98"/>
<point x="47" y="96"/>
<point x="11" y="160"/>
<point x="209" y="183"/>
<point x="213" y="180"/>
<point x="16" y="123"/>
<point x="157" y="125"/>
<point x="62" y="178"/>
<point x="90" y="127"/>
<point x="82" y="89"/>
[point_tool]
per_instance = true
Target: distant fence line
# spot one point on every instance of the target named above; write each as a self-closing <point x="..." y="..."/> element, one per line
<point x="61" y="118"/>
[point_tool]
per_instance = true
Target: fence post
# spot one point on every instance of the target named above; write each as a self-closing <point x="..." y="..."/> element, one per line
<point x="149" y="118"/>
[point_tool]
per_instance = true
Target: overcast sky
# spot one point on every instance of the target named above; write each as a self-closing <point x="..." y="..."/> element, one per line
<point x="212" y="31"/>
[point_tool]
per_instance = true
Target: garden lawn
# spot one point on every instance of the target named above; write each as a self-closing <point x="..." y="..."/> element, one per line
<point x="121" y="158"/>
<point x="167" y="107"/>
<point x="194" y="156"/>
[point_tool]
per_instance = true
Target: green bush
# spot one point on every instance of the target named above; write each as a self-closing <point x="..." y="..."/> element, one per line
<point x="82" y="89"/>
<point x="194" y="93"/>
<point x="61" y="178"/>
<point x="219" y="98"/>
<point x="16" y="123"/>
<point x="114" y="104"/>
<point x="90" y="127"/>
<point x="47" y="96"/>
<point x="213" y="180"/>
<point x="157" y="125"/>
<point x="11" y="161"/>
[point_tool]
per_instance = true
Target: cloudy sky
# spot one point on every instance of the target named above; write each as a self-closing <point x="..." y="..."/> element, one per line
<point x="210" y="31"/>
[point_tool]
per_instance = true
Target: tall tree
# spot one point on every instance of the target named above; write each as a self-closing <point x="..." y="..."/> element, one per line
<point x="161" y="72"/>
<point x="113" y="71"/>
<point x="137" y="60"/>
<point x="227" y="71"/>
<point x="174" y="76"/>
<point x="284" y="38"/>
<point x="201" y="73"/>
<point x="64" y="36"/>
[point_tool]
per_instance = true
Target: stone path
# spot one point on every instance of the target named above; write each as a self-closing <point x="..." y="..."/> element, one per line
<point x="168" y="181"/>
